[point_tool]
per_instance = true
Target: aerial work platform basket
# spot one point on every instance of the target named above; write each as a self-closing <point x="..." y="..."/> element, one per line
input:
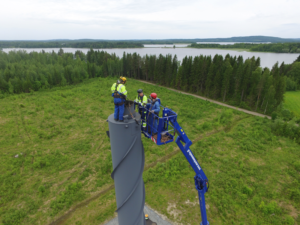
<point x="159" y="129"/>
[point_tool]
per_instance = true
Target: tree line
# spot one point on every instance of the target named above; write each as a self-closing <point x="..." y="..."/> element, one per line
<point x="272" y="47"/>
<point x="229" y="79"/>
<point x="70" y="44"/>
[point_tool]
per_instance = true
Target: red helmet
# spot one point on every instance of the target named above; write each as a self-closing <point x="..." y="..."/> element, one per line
<point x="153" y="95"/>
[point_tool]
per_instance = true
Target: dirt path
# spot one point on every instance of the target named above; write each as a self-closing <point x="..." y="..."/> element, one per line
<point x="214" y="101"/>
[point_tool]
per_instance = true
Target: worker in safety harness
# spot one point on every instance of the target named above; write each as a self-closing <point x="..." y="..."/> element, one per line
<point x="119" y="93"/>
<point x="153" y="113"/>
<point x="141" y="100"/>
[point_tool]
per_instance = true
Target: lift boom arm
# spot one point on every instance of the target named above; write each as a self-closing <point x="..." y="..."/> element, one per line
<point x="201" y="181"/>
<point x="183" y="142"/>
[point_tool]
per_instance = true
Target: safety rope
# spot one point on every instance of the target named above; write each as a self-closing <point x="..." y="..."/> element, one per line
<point x="131" y="112"/>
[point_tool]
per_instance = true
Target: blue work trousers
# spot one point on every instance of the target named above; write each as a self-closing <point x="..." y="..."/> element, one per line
<point x="153" y="123"/>
<point x="119" y="109"/>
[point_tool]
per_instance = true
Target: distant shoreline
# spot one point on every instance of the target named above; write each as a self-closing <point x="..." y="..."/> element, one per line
<point x="230" y="49"/>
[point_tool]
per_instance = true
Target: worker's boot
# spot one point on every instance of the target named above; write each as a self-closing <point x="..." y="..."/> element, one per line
<point x="116" y="120"/>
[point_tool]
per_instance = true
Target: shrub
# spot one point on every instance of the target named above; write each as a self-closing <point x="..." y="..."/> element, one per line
<point x="286" y="114"/>
<point x="41" y="189"/>
<point x="14" y="216"/>
<point x="297" y="165"/>
<point x="226" y="116"/>
<point x="66" y="198"/>
<point x="289" y="220"/>
<point x="294" y="194"/>
<point x="247" y="190"/>
<point x="271" y="208"/>
<point x="85" y="174"/>
<point x="244" y="106"/>
<point x="206" y="126"/>
<point x="274" y="116"/>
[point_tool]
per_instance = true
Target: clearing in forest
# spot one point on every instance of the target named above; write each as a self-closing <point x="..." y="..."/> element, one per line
<point x="55" y="156"/>
<point x="292" y="102"/>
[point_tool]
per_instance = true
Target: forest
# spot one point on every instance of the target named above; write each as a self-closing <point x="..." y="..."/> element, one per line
<point x="136" y="43"/>
<point x="272" y="47"/>
<point x="237" y="81"/>
<point x="69" y="44"/>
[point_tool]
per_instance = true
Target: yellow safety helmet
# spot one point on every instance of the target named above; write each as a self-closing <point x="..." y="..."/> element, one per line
<point x="123" y="79"/>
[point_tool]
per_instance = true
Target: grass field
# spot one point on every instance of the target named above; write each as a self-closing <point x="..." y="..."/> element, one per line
<point x="55" y="156"/>
<point x="292" y="102"/>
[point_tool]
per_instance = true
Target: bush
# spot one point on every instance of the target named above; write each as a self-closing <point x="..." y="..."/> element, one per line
<point x="244" y="106"/>
<point x="41" y="189"/>
<point x="14" y="216"/>
<point x="286" y="129"/>
<point x="294" y="194"/>
<point x="66" y="198"/>
<point x="206" y="126"/>
<point x="226" y="116"/>
<point x="271" y="208"/>
<point x="247" y="190"/>
<point x="297" y="165"/>
<point x="286" y="114"/>
<point x="289" y="220"/>
<point x="85" y="174"/>
<point x="290" y="85"/>
<point x="274" y="116"/>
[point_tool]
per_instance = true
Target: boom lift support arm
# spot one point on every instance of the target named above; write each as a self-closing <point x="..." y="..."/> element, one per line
<point x="201" y="181"/>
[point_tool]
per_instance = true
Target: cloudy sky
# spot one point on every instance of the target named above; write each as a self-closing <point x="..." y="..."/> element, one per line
<point x="147" y="19"/>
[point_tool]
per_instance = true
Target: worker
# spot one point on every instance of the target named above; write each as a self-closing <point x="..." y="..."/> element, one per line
<point x="141" y="98"/>
<point x="146" y="217"/>
<point x="119" y="93"/>
<point x="141" y="101"/>
<point x="154" y="113"/>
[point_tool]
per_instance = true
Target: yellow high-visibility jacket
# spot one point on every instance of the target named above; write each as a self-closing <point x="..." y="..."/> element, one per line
<point x="142" y="100"/>
<point x="121" y="89"/>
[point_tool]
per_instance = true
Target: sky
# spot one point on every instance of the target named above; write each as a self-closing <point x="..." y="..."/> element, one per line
<point x="147" y="19"/>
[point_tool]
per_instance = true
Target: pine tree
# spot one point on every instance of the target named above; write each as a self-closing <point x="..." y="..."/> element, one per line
<point x="175" y="65"/>
<point x="254" y="81"/>
<point x="217" y="85"/>
<point x="261" y="85"/>
<point x="271" y="101"/>
<point x="209" y="81"/>
<point x="226" y="78"/>
<point x="245" y="78"/>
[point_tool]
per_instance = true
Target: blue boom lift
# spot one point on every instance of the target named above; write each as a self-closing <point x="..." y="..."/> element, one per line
<point x="162" y="131"/>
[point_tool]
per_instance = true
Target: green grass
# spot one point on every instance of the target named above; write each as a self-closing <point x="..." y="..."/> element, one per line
<point x="64" y="160"/>
<point x="292" y="102"/>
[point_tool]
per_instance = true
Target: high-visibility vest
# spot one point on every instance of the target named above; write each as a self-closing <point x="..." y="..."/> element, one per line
<point x="142" y="100"/>
<point x="119" y="88"/>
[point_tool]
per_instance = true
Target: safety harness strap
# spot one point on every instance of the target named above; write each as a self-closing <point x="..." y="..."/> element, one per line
<point x="119" y="104"/>
<point x="116" y="93"/>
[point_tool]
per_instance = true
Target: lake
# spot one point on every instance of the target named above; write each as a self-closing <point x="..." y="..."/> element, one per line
<point x="267" y="59"/>
<point x="166" y="46"/>
<point x="231" y="43"/>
